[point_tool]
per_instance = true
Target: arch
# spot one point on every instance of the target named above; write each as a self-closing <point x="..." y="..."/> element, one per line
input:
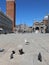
<point x="37" y="28"/>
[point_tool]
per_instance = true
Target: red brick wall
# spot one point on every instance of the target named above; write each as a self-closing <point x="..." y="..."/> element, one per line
<point x="45" y="22"/>
<point x="10" y="11"/>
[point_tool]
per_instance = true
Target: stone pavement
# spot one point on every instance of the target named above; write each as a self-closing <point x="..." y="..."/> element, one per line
<point x="37" y="43"/>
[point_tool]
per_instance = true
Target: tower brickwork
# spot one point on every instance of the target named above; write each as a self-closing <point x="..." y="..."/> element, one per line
<point x="10" y="11"/>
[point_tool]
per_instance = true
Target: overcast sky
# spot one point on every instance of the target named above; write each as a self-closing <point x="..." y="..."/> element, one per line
<point x="28" y="10"/>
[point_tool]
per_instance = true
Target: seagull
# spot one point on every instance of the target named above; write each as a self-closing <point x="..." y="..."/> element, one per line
<point x="26" y="41"/>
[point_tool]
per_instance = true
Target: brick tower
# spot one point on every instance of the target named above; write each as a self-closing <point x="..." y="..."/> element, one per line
<point x="10" y="11"/>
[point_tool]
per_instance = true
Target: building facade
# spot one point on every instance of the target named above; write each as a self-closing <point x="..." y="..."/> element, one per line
<point x="39" y="26"/>
<point x="43" y="26"/>
<point x="5" y="23"/>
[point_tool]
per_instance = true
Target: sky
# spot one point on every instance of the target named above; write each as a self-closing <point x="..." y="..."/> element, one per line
<point x="27" y="11"/>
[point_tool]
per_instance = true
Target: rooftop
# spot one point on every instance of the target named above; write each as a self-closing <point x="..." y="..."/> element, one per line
<point x="45" y="17"/>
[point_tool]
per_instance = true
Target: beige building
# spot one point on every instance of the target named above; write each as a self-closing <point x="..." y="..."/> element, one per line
<point x="43" y="26"/>
<point x="24" y="28"/>
<point x="39" y="26"/>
